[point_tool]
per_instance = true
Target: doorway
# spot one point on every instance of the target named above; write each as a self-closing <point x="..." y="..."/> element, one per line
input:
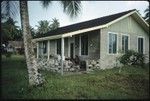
<point x="71" y="50"/>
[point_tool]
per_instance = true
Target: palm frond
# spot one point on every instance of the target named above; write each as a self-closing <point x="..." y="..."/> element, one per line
<point x="147" y="9"/>
<point x="72" y="8"/>
<point x="55" y="24"/>
<point x="10" y="8"/>
<point x="43" y="26"/>
<point x="146" y="17"/>
<point x="45" y="3"/>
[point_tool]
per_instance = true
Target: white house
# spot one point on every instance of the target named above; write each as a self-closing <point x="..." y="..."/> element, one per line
<point x="98" y="39"/>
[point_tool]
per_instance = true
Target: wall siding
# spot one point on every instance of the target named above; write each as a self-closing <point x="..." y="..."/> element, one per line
<point x="93" y="46"/>
<point x="53" y="47"/>
<point x="126" y="26"/>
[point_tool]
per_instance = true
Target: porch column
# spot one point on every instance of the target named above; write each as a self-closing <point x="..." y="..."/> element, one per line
<point x="48" y="49"/>
<point x="37" y="50"/>
<point x="62" y="54"/>
<point x="80" y="45"/>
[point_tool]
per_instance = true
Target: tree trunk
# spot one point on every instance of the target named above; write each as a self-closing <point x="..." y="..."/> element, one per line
<point x="34" y="76"/>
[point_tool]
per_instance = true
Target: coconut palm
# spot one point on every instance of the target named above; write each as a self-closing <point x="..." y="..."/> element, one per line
<point x="9" y="29"/>
<point x="72" y="8"/>
<point x="33" y="33"/>
<point x="55" y="24"/>
<point x="43" y="26"/>
<point x="147" y="14"/>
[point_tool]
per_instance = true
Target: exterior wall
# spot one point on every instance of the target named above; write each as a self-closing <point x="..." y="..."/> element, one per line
<point x="126" y="26"/>
<point x="66" y="47"/>
<point x="40" y="50"/>
<point x="53" y="47"/>
<point x="93" y="46"/>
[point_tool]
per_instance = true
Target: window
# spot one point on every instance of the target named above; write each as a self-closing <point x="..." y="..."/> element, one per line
<point x="112" y="43"/>
<point x="59" y="46"/>
<point x="125" y="41"/>
<point x="140" y="45"/>
<point x="84" y="44"/>
<point x="44" y="47"/>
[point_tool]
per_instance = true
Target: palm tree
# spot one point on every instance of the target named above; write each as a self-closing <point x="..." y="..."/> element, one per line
<point x="55" y="24"/>
<point x="72" y="8"/>
<point x="147" y="14"/>
<point x="9" y="29"/>
<point x="33" y="33"/>
<point x="43" y="26"/>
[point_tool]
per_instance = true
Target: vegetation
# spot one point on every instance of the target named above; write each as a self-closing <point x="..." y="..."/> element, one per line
<point x="8" y="54"/>
<point x="10" y="31"/>
<point x="132" y="58"/>
<point x="55" y="24"/>
<point x="45" y="26"/>
<point x="9" y="8"/>
<point x="147" y="14"/>
<point x="131" y="83"/>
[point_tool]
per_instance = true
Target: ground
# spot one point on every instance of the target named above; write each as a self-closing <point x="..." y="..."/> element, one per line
<point x="130" y="83"/>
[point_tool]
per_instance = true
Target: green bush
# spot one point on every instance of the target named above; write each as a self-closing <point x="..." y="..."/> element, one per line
<point x="8" y="54"/>
<point x="132" y="58"/>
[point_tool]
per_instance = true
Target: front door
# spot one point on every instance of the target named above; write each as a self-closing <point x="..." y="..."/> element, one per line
<point x="71" y="50"/>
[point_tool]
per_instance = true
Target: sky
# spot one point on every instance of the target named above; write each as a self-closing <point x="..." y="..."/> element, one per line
<point x="90" y="10"/>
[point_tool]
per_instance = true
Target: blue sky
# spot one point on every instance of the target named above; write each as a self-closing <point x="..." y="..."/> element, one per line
<point x="90" y="10"/>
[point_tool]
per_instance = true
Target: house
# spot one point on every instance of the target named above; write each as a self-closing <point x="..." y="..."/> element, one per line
<point x="15" y="46"/>
<point x="99" y="39"/>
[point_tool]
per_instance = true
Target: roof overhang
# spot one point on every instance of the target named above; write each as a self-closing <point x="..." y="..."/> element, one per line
<point x="70" y="34"/>
<point x="135" y="14"/>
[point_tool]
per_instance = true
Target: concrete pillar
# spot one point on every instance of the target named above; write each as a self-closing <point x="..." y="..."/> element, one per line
<point x="80" y="45"/>
<point x="62" y="54"/>
<point x="87" y="66"/>
<point x="48" y="49"/>
<point x="37" y="50"/>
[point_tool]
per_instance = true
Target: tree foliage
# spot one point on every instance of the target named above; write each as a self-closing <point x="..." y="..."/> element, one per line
<point x="10" y="31"/>
<point x="9" y="8"/>
<point x="45" y="26"/>
<point x="55" y="24"/>
<point x="71" y="8"/>
<point x="147" y="14"/>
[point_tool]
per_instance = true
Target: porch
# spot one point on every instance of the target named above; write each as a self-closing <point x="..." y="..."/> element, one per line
<point x="72" y="53"/>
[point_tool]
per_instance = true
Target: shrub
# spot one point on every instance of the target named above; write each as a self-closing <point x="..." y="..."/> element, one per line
<point x="8" y="54"/>
<point x="132" y="58"/>
<point x="21" y="51"/>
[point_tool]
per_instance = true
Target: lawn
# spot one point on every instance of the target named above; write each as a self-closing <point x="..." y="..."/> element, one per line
<point x="131" y="83"/>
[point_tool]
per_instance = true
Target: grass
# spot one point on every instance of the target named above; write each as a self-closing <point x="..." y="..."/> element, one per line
<point x="131" y="83"/>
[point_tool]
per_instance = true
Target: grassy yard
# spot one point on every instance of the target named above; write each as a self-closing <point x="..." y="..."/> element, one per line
<point x="131" y="83"/>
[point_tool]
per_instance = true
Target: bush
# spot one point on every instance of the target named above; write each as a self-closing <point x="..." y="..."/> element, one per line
<point x="132" y="58"/>
<point x="21" y="51"/>
<point x="8" y="54"/>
